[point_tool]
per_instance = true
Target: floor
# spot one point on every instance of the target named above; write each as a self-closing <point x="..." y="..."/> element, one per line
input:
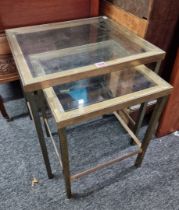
<point x="154" y="186"/>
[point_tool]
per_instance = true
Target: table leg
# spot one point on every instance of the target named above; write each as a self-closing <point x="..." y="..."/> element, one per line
<point x="143" y="108"/>
<point x="26" y="100"/>
<point x="151" y="129"/>
<point x="157" y="67"/>
<point x="36" y="118"/>
<point x="43" y="110"/>
<point x="3" y="110"/>
<point x="65" y="160"/>
<point x="27" y="105"/>
<point x="140" y="119"/>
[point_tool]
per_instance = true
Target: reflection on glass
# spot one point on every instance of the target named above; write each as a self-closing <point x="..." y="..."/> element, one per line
<point x="81" y="93"/>
<point x="60" y="49"/>
<point x="74" y="58"/>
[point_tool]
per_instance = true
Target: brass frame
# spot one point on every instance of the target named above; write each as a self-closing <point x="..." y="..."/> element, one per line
<point x="30" y="83"/>
<point x="64" y="119"/>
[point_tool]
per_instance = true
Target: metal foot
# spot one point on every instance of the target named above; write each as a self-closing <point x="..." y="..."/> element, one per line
<point x="3" y="110"/>
<point x="140" y="119"/>
<point x="37" y="122"/>
<point x="65" y="161"/>
<point x="151" y="129"/>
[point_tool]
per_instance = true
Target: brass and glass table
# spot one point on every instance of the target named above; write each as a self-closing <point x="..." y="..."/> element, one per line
<point x="95" y="54"/>
<point x="78" y="101"/>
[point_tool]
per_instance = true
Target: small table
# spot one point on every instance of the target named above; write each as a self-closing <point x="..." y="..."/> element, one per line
<point x="96" y="66"/>
<point x="81" y="100"/>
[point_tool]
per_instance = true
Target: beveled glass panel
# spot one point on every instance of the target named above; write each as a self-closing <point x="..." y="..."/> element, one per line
<point x="77" y="45"/>
<point x="85" y="92"/>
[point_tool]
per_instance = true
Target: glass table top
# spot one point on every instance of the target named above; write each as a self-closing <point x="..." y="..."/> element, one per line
<point x="79" y="57"/>
<point x="87" y="98"/>
<point x="59" y="47"/>
<point x="85" y="92"/>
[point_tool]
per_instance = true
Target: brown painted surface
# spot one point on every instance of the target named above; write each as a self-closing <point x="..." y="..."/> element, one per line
<point x="162" y="23"/>
<point x="161" y="29"/>
<point x="164" y="10"/>
<point x="170" y="119"/>
<point x="15" y="13"/>
<point x="94" y="8"/>
<point x="4" y="46"/>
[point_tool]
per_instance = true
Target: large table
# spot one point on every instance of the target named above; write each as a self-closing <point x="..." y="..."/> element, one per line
<point x="83" y="69"/>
